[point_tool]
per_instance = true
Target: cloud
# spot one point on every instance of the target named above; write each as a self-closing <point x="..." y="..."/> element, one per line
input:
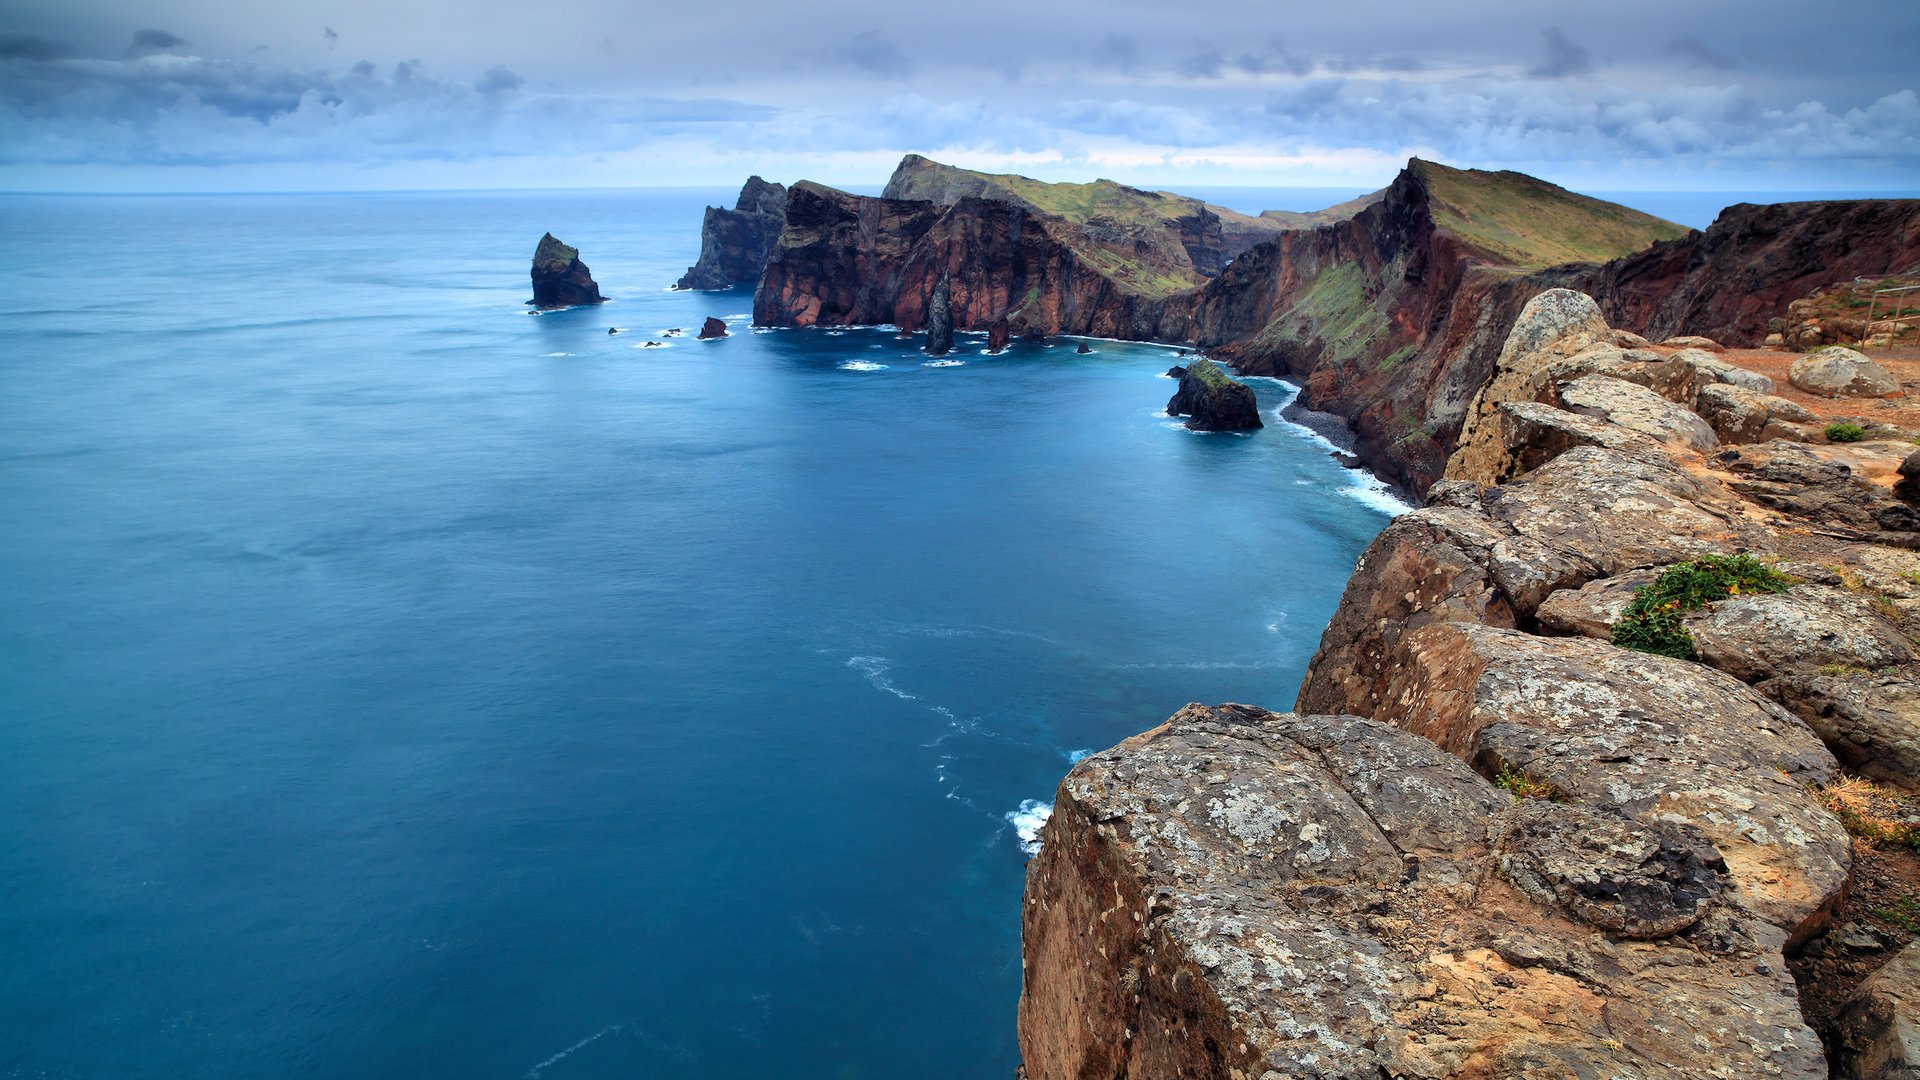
<point x="875" y="55"/>
<point x="30" y="47"/>
<point x="149" y="42"/>
<point x="331" y="37"/>
<point x="1119" y="51"/>
<point x="1699" y="55"/>
<point x="1564" y="58"/>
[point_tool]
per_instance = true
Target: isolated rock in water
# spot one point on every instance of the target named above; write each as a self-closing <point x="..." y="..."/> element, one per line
<point x="712" y="328"/>
<point x="1878" y="1035"/>
<point x="560" y="279"/>
<point x="997" y="336"/>
<point x="1837" y="371"/>
<point x="1082" y="349"/>
<point x="940" y="320"/>
<point x="1243" y="893"/>
<point x="734" y="243"/>
<point x="1213" y="402"/>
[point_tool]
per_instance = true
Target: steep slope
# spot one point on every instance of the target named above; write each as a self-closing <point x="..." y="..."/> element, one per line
<point x="734" y="243"/>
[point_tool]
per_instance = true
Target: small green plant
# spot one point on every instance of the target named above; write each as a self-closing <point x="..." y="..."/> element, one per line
<point x="1904" y="913"/>
<point x="1525" y="785"/>
<point x="1841" y="431"/>
<point x="1651" y="623"/>
<point x="1876" y="814"/>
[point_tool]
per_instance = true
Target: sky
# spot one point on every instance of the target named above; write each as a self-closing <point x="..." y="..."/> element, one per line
<point x="1649" y="95"/>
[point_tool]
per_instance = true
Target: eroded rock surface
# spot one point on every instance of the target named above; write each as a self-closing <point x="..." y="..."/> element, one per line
<point x="1240" y="893"/>
<point x="1837" y="371"/>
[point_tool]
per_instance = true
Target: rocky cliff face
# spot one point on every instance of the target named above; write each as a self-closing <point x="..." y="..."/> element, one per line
<point x="560" y="279"/>
<point x="1243" y="893"/>
<point x="734" y="243"/>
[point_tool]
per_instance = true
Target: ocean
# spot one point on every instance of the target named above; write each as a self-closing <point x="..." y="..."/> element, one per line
<point x="403" y="684"/>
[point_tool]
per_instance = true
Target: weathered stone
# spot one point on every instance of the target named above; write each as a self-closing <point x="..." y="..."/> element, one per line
<point x="1877" y="1037"/>
<point x="1870" y="721"/>
<point x="1535" y="434"/>
<point x="1741" y="415"/>
<point x="1908" y="486"/>
<point x="1627" y="339"/>
<point x="1239" y="893"/>
<point x="1760" y="635"/>
<point x="940" y="320"/>
<point x="712" y="328"/>
<point x="1713" y="369"/>
<point x="1637" y="408"/>
<point x="1797" y="479"/>
<point x="1593" y="608"/>
<point x="1555" y="325"/>
<point x="1658" y="740"/>
<point x="1694" y="341"/>
<point x="1837" y="371"/>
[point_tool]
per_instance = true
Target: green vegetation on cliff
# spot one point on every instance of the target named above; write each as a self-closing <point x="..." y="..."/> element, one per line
<point x="1530" y="224"/>
<point x="1651" y="623"/>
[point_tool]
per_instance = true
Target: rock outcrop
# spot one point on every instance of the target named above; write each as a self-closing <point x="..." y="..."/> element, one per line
<point x="1837" y="371"/>
<point x="1240" y="893"/>
<point x="1213" y="402"/>
<point x="1879" y="1033"/>
<point x="1217" y="897"/>
<point x="712" y="328"/>
<point x="734" y="243"/>
<point x="940" y="320"/>
<point x="560" y="279"/>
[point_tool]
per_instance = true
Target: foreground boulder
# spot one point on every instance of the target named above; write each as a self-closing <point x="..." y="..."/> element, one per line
<point x="1837" y="371"/>
<point x="560" y="279"/>
<point x="1878" y="1035"/>
<point x="1240" y="893"/>
<point x="1213" y="402"/>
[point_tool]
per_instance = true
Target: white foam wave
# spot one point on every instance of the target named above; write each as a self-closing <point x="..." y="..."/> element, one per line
<point x="861" y="365"/>
<point x="534" y="1073"/>
<point x="875" y="668"/>
<point x="1372" y="492"/>
<point x="945" y="363"/>
<point x="552" y="354"/>
<point x="1026" y="822"/>
<point x="1077" y="756"/>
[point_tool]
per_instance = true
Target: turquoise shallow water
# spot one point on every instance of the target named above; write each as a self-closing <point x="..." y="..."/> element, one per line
<point x="399" y="684"/>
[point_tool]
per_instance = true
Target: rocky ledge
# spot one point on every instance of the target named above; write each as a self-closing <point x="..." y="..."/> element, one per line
<point x="1213" y="402"/>
<point x="560" y="279"/>
<point x="1493" y="842"/>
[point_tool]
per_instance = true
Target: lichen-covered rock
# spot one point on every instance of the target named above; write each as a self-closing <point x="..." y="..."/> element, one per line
<point x="1239" y="893"/>
<point x="1694" y="341"/>
<point x="1593" y="608"/>
<point x="1637" y="409"/>
<point x="1870" y="720"/>
<point x="1213" y="402"/>
<point x="1658" y="740"/>
<point x="560" y="279"/>
<point x="1713" y="369"/>
<point x="1554" y="326"/>
<point x="1535" y="434"/>
<point x="1807" y="482"/>
<point x="1760" y="635"/>
<point x="1741" y="415"/>
<point x="1878" y="1034"/>
<point x="1837" y="371"/>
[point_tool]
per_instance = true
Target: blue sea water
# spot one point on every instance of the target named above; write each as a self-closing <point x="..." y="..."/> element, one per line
<point x="400" y="684"/>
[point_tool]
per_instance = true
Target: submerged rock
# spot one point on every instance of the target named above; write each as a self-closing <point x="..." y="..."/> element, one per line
<point x="560" y="279"/>
<point x="712" y="328"/>
<point x="1213" y="402"/>
<point x="1082" y="349"/>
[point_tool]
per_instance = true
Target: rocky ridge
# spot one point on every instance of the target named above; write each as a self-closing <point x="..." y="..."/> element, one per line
<point x="1349" y="892"/>
<point x="734" y="243"/>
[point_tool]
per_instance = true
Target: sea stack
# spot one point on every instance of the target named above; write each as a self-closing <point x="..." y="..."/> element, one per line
<point x="712" y="328"/>
<point x="560" y="279"/>
<point x="734" y="243"/>
<point x="997" y="336"/>
<point x="940" y="321"/>
<point x="1212" y="402"/>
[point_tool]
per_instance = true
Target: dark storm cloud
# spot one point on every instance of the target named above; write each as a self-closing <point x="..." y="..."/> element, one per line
<point x="32" y="47"/>
<point x="1228" y="80"/>
<point x="1564" y="58"/>
<point x="148" y="42"/>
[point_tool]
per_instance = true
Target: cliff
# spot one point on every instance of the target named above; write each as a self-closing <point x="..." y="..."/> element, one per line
<point x="734" y="243"/>
<point x="560" y="279"/>
<point x="1493" y="842"/>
